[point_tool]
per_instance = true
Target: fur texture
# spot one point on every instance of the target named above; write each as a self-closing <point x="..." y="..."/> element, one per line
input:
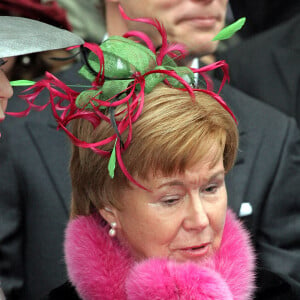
<point x="100" y="268"/>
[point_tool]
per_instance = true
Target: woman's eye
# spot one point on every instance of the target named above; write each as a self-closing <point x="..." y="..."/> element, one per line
<point x="211" y="188"/>
<point x="170" y="201"/>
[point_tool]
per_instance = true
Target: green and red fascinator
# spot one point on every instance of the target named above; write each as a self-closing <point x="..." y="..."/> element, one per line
<point x="121" y="72"/>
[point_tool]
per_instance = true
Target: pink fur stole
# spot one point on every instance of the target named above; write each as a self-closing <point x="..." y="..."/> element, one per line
<point x="100" y="268"/>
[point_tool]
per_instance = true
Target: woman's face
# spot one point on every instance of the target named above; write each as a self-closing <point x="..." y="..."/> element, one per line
<point x="6" y="92"/>
<point x="182" y="219"/>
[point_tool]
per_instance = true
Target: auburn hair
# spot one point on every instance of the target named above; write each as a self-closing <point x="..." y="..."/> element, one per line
<point x="172" y="133"/>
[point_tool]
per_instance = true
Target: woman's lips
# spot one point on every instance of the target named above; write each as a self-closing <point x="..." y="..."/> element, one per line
<point x="195" y="251"/>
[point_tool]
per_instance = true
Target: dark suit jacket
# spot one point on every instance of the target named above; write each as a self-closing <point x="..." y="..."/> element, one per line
<point x="263" y="14"/>
<point x="267" y="67"/>
<point x="35" y="194"/>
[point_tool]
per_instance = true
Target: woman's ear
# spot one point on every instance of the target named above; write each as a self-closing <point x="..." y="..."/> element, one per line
<point x="109" y="214"/>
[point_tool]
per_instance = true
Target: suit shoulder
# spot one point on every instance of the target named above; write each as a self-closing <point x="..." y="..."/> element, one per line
<point x="253" y="114"/>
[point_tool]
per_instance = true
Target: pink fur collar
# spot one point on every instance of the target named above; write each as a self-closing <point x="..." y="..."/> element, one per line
<point x="100" y="268"/>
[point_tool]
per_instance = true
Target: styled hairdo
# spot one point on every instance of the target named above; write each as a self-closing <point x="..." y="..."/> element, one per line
<point x="172" y="133"/>
<point x="141" y="114"/>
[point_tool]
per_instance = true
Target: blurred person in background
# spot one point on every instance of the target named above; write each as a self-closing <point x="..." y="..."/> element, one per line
<point x="266" y="65"/>
<point x="32" y="65"/>
<point x="86" y="18"/>
<point x="263" y="14"/>
<point x="22" y="36"/>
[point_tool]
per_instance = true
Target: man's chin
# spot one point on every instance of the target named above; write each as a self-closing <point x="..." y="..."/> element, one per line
<point x="202" y="50"/>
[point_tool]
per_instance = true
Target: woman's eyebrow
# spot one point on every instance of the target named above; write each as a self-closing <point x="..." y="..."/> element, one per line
<point x="170" y="183"/>
<point x="177" y="182"/>
<point x="217" y="174"/>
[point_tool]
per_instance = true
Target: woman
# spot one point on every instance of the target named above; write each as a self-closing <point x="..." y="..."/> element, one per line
<point x="173" y="240"/>
<point x="154" y="225"/>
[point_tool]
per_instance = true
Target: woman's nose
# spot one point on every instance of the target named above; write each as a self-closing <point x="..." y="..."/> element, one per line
<point x="6" y="92"/>
<point x="196" y="215"/>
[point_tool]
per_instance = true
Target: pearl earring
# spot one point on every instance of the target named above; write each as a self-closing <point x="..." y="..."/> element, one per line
<point x="112" y="232"/>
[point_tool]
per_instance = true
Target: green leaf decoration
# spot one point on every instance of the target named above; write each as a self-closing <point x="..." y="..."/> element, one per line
<point x="84" y="98"/>
<point x="116" y="67"/>
<point x="22" y="82"/>
<point x="122" y="57"/>
<point x="135" y="54"/>
<point x="169" y="62"/>
<point x="185" y="73"/>
<point x="154" y="79"/>
<point x="112" y="87"/>
<point x="94" y="63"/>
<point x="230" y="30"/>
<point x="112" y="162"/>
<point x="86" y="73"/>
<point x="109" y="89"/>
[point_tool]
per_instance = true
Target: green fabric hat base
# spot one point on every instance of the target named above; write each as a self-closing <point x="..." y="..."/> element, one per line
<point x="20" y="36"/>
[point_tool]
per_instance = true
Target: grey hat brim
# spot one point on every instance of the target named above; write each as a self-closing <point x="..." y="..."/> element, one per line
<point x="19" y="36"/>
